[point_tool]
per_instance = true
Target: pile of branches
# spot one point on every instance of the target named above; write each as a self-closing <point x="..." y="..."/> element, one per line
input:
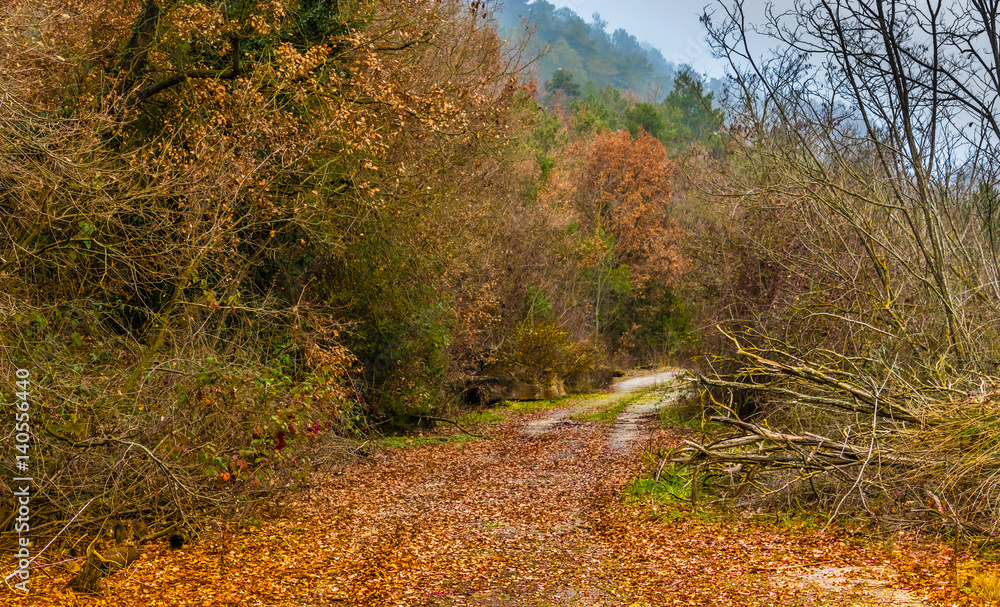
<point x="905" y="450"/>
<point x="202" y="445"/>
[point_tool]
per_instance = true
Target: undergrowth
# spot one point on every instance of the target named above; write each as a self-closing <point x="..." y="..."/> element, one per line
<point x="986" y="586"/>
<point x="527" y="407"/>
<point x="477" y="418"/>
<point x="402" y="442"/>
<point x="671" y="484"/>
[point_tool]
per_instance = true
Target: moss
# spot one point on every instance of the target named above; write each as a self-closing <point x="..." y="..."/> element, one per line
<point x="403" y="442"/>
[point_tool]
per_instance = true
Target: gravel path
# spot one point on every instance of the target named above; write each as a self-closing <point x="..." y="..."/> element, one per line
<point x="647" y="381"/>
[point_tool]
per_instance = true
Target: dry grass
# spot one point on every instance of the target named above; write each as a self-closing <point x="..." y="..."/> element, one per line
<point x="986" y="586"/>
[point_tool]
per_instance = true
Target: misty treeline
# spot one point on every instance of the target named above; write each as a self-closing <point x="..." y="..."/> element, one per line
<point x="236" y="233"/>
<point x="857" y="353"/>
<point x="563" y="40"/>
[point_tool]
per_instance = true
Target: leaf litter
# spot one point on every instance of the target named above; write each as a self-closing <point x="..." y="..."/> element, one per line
<point x="520" y="519"/>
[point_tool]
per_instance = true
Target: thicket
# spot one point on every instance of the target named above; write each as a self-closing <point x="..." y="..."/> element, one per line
<point x="235" y="233"/>
<point x="851" y="270"/>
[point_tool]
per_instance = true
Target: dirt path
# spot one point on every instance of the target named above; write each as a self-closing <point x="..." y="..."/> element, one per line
<point x="647" y="381"/>
<point x="536" y="515"/>
<point x="628" y="426"/>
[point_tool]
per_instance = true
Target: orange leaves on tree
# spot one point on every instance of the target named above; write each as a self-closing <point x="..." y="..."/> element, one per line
<point x="625" y="191"/>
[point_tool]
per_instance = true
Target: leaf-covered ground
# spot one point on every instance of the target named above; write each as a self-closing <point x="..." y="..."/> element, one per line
<point x="519" y="518"/>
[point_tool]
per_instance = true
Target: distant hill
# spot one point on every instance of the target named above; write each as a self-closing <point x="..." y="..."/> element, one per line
<point x="588" y="51"/>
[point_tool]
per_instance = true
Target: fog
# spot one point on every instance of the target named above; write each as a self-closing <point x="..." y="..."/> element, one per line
<point x="670" y="25"/>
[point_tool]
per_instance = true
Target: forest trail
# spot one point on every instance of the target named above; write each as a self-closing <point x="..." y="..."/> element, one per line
<point x="647" y="381"/>
<point x="537" y="514"/>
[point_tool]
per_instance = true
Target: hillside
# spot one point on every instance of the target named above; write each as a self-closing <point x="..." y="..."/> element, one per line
<point x="563" y="40"/>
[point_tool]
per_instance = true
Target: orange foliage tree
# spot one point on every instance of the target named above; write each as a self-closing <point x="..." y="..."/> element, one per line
<point x="623" y="199"/>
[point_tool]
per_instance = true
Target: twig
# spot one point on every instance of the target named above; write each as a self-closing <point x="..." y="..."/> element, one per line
<point x="453" y="422"/>
<point x="876" y="390"/>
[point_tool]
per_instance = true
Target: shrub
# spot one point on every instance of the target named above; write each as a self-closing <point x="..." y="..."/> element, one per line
<point x="541" y="352"/>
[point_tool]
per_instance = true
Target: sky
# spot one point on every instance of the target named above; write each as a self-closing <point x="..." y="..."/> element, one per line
<point x="670" y="25"/>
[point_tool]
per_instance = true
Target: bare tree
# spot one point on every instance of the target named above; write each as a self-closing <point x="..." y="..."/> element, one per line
<point x="870" y="128"/>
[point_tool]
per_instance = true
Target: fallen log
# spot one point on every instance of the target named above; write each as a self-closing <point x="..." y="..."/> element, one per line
<point x="767" y="448"/>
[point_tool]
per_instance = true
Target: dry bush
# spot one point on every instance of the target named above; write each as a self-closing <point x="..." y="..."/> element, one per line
<point x="857" y="288"/>
<point x="173" y="196"/>
<point x="539" y="352"/>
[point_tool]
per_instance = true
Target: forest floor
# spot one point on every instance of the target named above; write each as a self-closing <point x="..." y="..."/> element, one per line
<point x="539" y="512"/>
